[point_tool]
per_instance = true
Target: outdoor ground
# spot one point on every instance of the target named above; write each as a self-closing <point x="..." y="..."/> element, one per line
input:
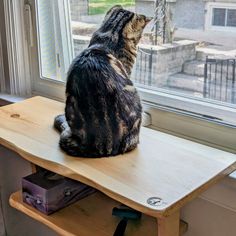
<point x="101" y="6"/>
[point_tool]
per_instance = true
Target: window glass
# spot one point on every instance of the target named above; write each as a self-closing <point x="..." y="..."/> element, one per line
<point x="48" y="40"/>
<point x="87" y="16"/>
<point x="219" y="17"/>
<point x="231" y="18"/>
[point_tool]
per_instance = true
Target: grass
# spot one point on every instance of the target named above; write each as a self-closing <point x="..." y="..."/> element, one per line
<point x="101" y="6"/>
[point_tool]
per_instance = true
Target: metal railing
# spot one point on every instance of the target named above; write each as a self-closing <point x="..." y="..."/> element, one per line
<point x="143" y="67"/>
<point x="219" y="79"/>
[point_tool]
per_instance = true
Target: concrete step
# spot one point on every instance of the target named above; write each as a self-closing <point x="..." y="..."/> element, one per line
<point x="186" y="82"/>
<point x="195" y="68"/>
<point x="202" y="53"/>
<point x="194" y="85"/>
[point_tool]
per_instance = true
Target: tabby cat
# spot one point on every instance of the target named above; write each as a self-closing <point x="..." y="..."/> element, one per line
<point x="103" y="111"/>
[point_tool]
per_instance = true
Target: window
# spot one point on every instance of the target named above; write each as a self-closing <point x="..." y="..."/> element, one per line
<point x="231" y="17"/>
<point x="173" y="109"/>
<point x="55" y="45"/>
<point x="224" y="17"/>
<point x="174" y="76"/>
<point x="64" y="30"/>
<point x="221" y="16"/>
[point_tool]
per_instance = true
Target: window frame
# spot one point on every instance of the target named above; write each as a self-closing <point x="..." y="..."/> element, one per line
<point x="209" y="16"/>
<point x="164" y="117"/>
<point x="2" y="73"/>
<point x="64" y="47"/>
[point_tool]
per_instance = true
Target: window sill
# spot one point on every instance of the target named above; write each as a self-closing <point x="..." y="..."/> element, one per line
<point x="186" y="125"/>
<point x="8" y="98"/>
<point x="199" y="108"/>
<point x="191" y="128"/>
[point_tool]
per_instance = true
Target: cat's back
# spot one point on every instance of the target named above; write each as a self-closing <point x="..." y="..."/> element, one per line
<point x="96" y="70"/>
<point x="92" y="59"/>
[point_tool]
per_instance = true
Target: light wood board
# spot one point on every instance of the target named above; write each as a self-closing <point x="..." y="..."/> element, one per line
<point x="90" y="216"/>
<point x="170" y="168"/>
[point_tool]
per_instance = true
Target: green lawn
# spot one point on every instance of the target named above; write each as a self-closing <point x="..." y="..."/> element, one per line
<point x="101" y="6"/>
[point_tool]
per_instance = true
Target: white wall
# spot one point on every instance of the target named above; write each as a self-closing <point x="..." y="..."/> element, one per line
<point x="214" y="213"/>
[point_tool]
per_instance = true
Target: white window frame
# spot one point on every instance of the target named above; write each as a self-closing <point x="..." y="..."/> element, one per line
<point x="209" y="16"/>
<point x="172" y="118"/>
<point x="40" y="85"/>
<point x="206" y="109"/>
<point x="64" y="47"/>
<point x="2" y="74"/>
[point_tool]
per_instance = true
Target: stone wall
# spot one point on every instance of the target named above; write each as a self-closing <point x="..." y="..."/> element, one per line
<point x="154" y="63"/>
<point x="166" y="60"/>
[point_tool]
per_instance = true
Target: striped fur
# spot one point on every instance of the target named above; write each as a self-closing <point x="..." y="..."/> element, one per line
<point x="103" y="110"/>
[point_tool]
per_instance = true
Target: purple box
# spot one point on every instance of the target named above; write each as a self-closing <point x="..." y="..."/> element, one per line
<point x="49" y="192"/>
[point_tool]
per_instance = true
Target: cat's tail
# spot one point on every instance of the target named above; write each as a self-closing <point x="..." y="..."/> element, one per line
<point x="68" y="143"/>
<point x="60" y="123"/>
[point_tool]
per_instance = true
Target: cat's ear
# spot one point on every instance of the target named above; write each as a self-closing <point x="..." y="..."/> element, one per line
<point x="113" y="9"/>
<point x="148" y="19"/>
<point x="144" y="19"/>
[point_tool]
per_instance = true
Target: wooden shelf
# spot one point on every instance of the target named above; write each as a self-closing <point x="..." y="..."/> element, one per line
<point x="173" y="169"/>
<point x="89" y="216"/>
<point x="163" y="167"/>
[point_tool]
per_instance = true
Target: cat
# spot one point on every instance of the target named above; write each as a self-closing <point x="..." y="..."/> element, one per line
<point x="103" y="111"/>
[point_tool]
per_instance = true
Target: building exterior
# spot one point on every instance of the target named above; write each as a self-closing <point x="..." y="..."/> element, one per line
<point x="202" y="20"/>
<point x="196" y="14"/>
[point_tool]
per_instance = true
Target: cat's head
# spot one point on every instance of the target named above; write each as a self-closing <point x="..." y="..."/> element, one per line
<point x="125" y="23"/>
<point x="120" y="25"/>
<point x="120" y="33"/>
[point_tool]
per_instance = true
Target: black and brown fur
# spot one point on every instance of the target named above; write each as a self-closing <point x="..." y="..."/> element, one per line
<point x="103" y="111"/>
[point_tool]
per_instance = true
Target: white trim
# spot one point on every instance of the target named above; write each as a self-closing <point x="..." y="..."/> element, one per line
<point x="209" y="16"/>
<point x="2" y="74"/>
<point x="11" y="98"/>
<point x="66" y="33"/>
<point x="63" y="41"/>
<point x="18" y="57"/>
<point x="225" y="114"/>
<point x="49" y="88"/>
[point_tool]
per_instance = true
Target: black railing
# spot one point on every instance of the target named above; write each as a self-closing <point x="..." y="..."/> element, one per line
<point x="219" y="79"/>
<point x="143" y="68"/>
